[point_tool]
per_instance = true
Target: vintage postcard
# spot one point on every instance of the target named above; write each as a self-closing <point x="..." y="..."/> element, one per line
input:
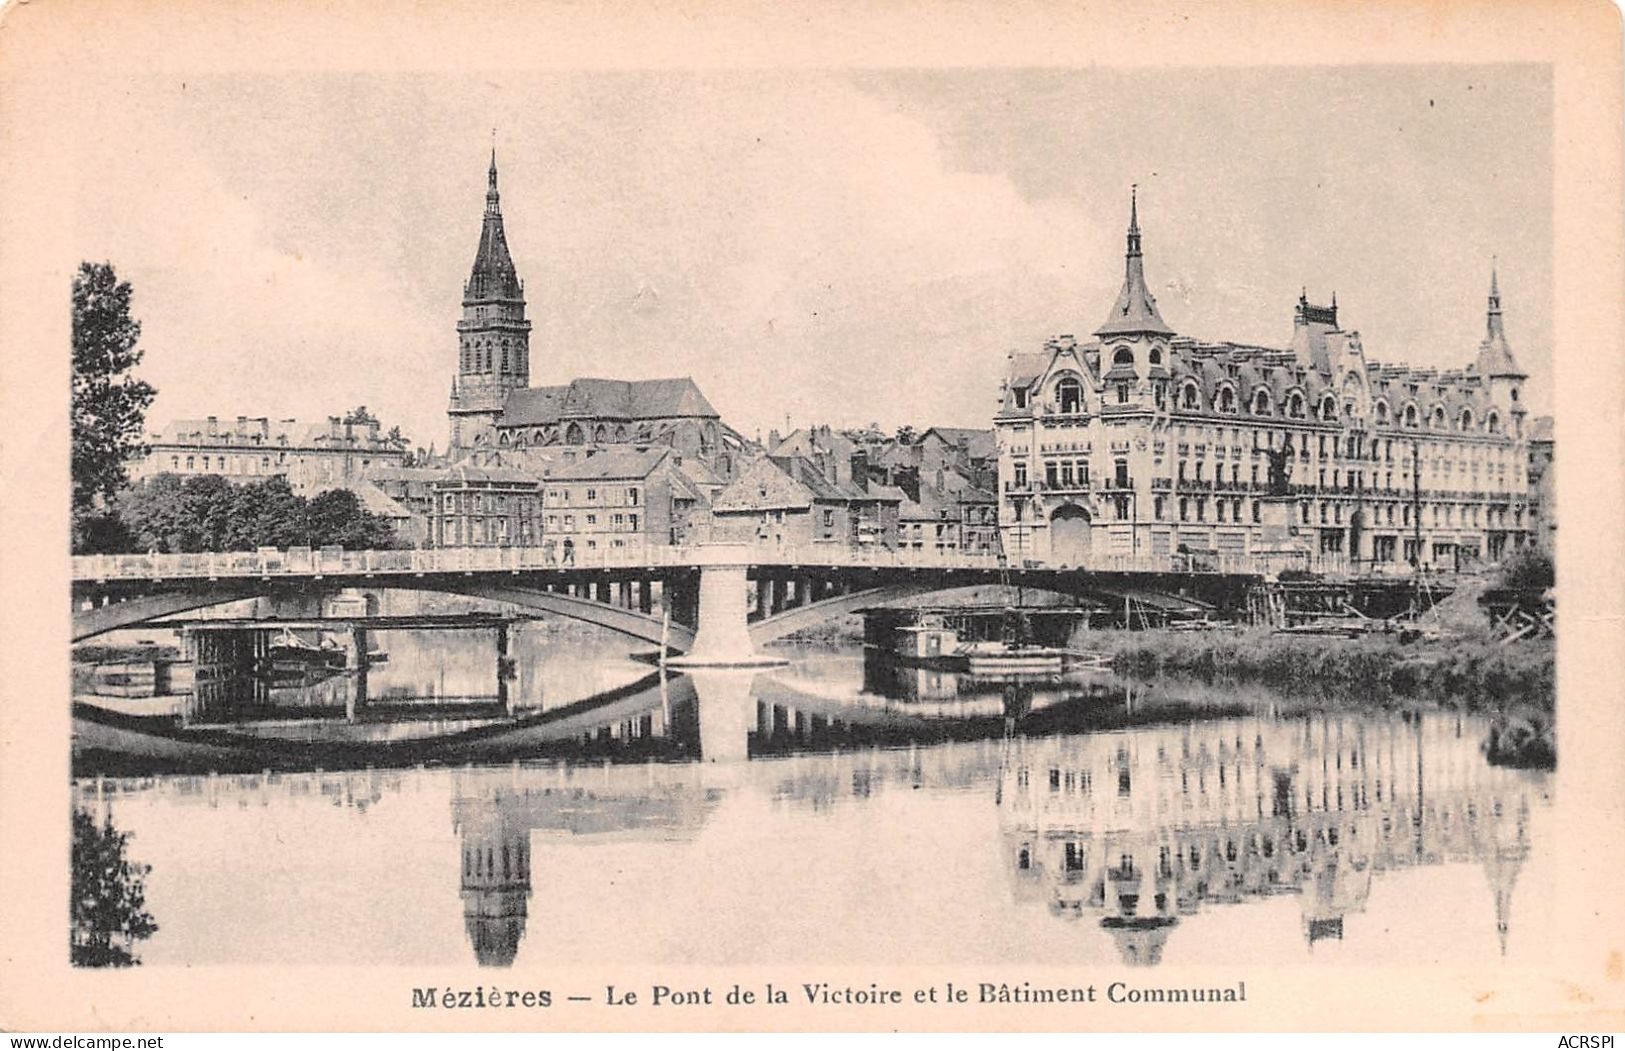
<point x="922" y="516"/>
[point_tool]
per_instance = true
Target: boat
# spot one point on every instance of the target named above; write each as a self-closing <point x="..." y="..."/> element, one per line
<point x="291" y="657"/>
<point x="1014" y="653"/>
<point x="999" y="658"/>
<point x="930" y="643"/>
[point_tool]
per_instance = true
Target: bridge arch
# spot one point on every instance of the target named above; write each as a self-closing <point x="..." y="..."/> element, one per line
<point x="133" y="612"/>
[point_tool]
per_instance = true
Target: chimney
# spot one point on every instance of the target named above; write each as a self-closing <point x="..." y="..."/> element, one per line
<point x="214" y="425"/>
<point x="860" y="470"/>
<point x="908" y="480"/>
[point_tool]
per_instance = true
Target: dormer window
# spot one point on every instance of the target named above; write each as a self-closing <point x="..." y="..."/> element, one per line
<point x="1069" y="396"/>
<point x="1261" y="404"/>
<point x="1227" y="400"/>
<point x="1188" y="396"/>
<point x="1156" y="359"/>
<point x="1021" y="398"/>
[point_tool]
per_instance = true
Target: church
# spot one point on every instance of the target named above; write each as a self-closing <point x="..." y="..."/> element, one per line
<point x="496" y="415"/>
<point x="1145" y="442"/>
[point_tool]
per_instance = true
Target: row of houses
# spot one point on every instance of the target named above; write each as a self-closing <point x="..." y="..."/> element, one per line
<point x="814" y="486"/>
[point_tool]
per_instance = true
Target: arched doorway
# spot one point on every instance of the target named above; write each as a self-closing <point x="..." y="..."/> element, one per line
<point x="1069" y="535"/>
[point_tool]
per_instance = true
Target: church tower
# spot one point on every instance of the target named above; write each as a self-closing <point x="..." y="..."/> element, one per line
<point x="493" y="337"/>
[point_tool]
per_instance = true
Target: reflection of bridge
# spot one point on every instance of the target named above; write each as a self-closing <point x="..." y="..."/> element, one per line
<point x="1135" y="831"/>
<point x="714" y="602"/>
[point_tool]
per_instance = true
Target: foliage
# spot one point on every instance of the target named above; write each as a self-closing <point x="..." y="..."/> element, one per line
<point x="109" y="405"/>
<point x="207" y="513"/>
<point x="1528" y="569"/>
<point x="1478" y="672"/>
<point x="906" y="435"/>
<point x="109" y="897"/>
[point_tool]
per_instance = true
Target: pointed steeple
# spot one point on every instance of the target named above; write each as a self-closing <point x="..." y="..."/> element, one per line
<point x="493" y="201"/>
<point x="493" y="276"/>
<point x="1135" y="311"/>
<point x="1495" y="354"/>
<point x="1493" y="317"/>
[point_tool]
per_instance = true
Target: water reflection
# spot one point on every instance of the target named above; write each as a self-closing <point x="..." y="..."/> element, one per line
<point x="1136" y="832"/>
<point x="1139" y="831"/>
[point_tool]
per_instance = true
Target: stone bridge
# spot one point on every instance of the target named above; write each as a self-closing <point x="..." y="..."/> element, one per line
<point x="714" y="604"/>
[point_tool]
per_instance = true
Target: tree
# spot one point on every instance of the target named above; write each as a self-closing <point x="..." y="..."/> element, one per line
<point x="906" y="435"/>
<point x="109" y="896"/>
<point x="109" y="405"/>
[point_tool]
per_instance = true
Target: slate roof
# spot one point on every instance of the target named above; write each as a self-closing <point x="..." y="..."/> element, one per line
<point x="611" y="464"/>
<point x="606" y="399"/>
<point x="979" y="444"/>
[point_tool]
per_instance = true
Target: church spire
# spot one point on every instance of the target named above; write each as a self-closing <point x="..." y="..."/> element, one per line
<point x="1135" y="312"/>
<point x="493" y="201"/>
<point x="493" y="275"/>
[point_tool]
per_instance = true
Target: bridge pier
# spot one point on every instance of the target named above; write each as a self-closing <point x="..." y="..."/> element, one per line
<point x="722" y="632"/>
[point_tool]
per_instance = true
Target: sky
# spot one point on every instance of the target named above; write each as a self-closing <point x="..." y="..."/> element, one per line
<point x="811" y="246"/>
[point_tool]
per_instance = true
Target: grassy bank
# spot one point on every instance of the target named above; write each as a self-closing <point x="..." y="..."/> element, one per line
<point x="1475" y="673"/>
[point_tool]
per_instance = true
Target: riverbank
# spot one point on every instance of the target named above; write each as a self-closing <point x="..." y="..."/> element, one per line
<point x="1476" y="673"/>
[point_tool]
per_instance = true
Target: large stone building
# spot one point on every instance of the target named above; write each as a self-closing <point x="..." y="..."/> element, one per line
<point x="338" y="452"/>
<point x="494" y="406"/>
<point x="1142" y="442"/>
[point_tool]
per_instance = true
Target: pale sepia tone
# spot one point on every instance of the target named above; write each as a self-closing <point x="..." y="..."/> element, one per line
<point x="436" y="746"/>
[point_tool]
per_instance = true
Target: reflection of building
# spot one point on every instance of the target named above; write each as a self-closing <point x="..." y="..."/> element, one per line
<point x="496" y="814"/>
<point x="1142" y="442"/>
<point x="1142" y="828"/>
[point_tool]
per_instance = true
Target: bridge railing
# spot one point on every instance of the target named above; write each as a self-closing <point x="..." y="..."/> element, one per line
<point x="331" y="561"/>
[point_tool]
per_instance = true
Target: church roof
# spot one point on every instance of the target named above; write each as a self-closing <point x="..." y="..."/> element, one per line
<point x="1136" y="308"/>
<point x="606" y="399"/>
<point x="493" y="275"/>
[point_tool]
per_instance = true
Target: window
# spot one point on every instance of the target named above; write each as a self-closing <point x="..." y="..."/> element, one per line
<point x="1021" y="398"/>
<point x="1020" y="480"/>
<point x="1157" y="508"/>
<point x="1188" y="396"/>
<point x="829" y="518"/>
<point x="1261" y="404"/>
<point x="1120" y="473"/>
<point x="632" y="522"/>
<point x="592" y="494"/>
<point x="1122" y="393"/>
<point x="1184" y="509"/>
<point x="1069" y="396"/>
<point x="632" y="496"/>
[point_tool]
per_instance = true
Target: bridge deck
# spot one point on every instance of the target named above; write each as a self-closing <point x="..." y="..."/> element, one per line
<point x="296" y="563"/>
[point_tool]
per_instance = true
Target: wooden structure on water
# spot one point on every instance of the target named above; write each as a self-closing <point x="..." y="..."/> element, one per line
<point x="1340" y="607"/>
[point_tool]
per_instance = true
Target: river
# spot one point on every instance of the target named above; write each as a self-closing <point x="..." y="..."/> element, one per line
<point x="840" y="809"/>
